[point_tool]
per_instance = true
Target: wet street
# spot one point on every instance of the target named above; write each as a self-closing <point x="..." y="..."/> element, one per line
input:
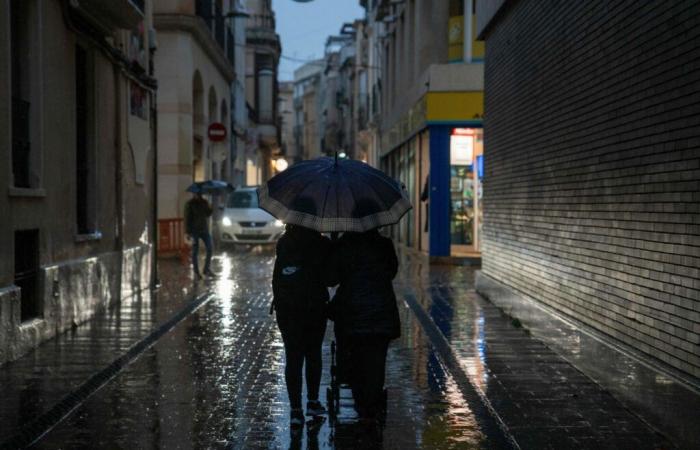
<point x="462" y="375"/>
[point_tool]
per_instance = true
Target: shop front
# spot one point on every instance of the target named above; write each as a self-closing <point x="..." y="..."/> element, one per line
<point x="441" y="165"/>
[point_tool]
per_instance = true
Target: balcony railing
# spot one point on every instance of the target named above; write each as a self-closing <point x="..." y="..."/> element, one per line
<point x="261" y="21"/>
<point x="20" y="142"/>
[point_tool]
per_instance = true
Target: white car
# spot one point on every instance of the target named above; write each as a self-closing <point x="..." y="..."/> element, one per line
<point x="242" y="222"/>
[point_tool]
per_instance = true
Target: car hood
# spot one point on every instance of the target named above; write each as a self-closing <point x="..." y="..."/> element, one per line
<point x="248" y="215"/>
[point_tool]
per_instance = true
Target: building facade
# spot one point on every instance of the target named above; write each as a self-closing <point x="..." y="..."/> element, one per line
<point x="286" y="119"/>
<point x="195" y="72"/>
<point x="307" y="126"/>
<point x="592" y="182"/>
<point x="77" y="152"/>
<point x="263" y="52"/>
<point x="425" y="93"/>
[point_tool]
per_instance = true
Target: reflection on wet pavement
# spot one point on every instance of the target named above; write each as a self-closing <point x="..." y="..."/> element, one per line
<point x="216" y="381"/>
<point x="544" y="401"/>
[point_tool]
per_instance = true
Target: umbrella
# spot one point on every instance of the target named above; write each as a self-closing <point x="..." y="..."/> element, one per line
<point x="210" y="187"/>
<point x="327" y="195"/>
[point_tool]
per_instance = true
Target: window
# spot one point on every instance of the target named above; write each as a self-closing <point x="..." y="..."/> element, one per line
<point x="243" y="199"/>
<point x="27" y="273"/>
<point x="20" y="35"/>
<point x="84" y="141"/>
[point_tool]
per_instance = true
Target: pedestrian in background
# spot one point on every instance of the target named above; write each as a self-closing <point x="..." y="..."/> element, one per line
<point x="197" y="213"/>
<point x="300" y="302"/>
<point x="365" y="313"/>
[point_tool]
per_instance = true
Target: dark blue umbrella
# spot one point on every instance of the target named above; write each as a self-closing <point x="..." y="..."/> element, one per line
<point x="210" y="187"/>
<point x="327" y="195"/>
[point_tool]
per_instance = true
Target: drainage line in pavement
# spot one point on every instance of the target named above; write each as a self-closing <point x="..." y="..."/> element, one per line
<point x="38" y="428"/>
<point x="494" y="427"/>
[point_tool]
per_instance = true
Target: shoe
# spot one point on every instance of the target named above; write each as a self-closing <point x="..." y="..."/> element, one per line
<point x="296" y="418"/>
<point x="315" y="408"/>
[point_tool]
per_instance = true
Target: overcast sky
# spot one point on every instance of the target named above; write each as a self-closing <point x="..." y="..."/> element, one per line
<point x="303" y="28"/>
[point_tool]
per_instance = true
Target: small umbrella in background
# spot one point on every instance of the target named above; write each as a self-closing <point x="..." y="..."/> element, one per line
<point x="329" y="195"/>
<point x="212" y="187"/>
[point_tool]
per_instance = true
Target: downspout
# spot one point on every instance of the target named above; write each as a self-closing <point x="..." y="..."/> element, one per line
<point x="118" y="172"/>
<point x="467" y="28"/>
<point x="155" y="280"/>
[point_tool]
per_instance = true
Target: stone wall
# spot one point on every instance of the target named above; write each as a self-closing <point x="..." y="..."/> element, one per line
<point x="71" y="293"/>
<point x="592" y="182"/>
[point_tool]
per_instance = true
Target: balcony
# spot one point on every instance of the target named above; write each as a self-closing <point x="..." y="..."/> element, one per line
<point x="111" y="15"/>
<point x="260" y="29"/>
<point x="261" y="21"/>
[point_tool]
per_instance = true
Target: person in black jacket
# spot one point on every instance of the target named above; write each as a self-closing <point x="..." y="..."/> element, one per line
<point x="300" y="302"/>
<point x="365" y="313"/>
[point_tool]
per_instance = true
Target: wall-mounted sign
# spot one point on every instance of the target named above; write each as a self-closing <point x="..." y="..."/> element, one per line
<point x="462" y="147"/>
<point x="217" y="132"/>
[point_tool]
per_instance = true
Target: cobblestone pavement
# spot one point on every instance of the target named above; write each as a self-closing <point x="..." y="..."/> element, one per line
<point x="216" y="380"/>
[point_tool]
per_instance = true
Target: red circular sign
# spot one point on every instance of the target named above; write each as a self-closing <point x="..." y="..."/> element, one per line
<point x="217" y="132"/>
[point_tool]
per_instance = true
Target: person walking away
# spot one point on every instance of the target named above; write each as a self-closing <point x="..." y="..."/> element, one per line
<point x="300" y="299"/>
<point x="365" y="313"/>
<point x="197" y="212"/>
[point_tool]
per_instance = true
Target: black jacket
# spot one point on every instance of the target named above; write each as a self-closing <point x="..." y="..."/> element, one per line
<point x="364" y="265"/>
<point x="309" y="250"/>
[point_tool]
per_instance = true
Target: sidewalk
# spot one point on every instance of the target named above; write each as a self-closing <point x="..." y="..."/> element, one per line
<point x="544" y="400"/>
<point x="41" y="387"/>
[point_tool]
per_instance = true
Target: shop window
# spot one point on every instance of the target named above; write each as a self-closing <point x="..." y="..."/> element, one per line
<point x="27" y="273"/>
<point x="462" y="187"/>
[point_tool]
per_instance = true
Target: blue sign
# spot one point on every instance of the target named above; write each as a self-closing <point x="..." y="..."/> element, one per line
<point x="480" y="166"/>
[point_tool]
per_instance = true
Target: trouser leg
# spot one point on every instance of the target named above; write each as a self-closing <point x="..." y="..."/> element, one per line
<point x="195" y="253"/>
<point x="313" y="357"/>
<point x="207" y="244"/>
<point x="294" y="356"/>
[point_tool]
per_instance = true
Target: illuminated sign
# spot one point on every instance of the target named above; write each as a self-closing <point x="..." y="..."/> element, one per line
<point x="462" y="147"/>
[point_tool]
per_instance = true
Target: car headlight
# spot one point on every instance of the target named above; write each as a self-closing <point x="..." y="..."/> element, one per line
<point x="226" y="222"/>
<point x="279" y="223"/>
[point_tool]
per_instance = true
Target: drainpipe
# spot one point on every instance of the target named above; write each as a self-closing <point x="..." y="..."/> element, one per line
<point x="467" y="28"/>
<point x="155" y="280"/>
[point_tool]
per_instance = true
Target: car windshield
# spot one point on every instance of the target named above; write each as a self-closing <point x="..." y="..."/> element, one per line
<point x="243" y="199"/>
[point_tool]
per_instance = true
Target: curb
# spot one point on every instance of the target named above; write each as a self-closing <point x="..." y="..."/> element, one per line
<point x="493" y="426"/>
<point x="39" y="427"/>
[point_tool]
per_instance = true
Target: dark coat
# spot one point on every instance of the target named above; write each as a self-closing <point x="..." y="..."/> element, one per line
<point x="310" y="250"/>
<point x="364" y="265"/>
<point x="197" y="211"/>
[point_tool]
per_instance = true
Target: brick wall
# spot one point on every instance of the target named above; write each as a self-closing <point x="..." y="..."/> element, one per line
<point x="592" y="184"/>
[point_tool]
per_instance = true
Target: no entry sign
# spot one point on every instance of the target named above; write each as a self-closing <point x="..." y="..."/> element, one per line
<point x="217" y="132"/>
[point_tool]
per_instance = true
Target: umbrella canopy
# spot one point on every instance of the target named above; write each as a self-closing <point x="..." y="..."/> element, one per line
<point x="210" y="187"/>
<point x="334" y="195"/>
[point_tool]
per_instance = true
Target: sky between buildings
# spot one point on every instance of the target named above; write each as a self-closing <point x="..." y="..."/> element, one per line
<point x="303" y="28"/>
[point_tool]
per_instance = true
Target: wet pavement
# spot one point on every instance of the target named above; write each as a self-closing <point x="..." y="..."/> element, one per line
<point x="461" y="376"/>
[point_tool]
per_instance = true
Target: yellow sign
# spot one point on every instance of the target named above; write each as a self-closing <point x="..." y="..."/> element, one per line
<point x="454" y="106"/>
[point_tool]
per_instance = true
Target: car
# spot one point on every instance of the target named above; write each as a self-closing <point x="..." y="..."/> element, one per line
<point x="243" y="222"/>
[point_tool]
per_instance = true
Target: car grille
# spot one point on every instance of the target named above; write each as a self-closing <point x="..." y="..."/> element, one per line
<point x="252" y="237"/>
<point x="252" y="224"/>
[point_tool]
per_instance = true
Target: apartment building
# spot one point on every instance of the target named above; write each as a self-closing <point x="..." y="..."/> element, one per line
<point x="77" y="152"/>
